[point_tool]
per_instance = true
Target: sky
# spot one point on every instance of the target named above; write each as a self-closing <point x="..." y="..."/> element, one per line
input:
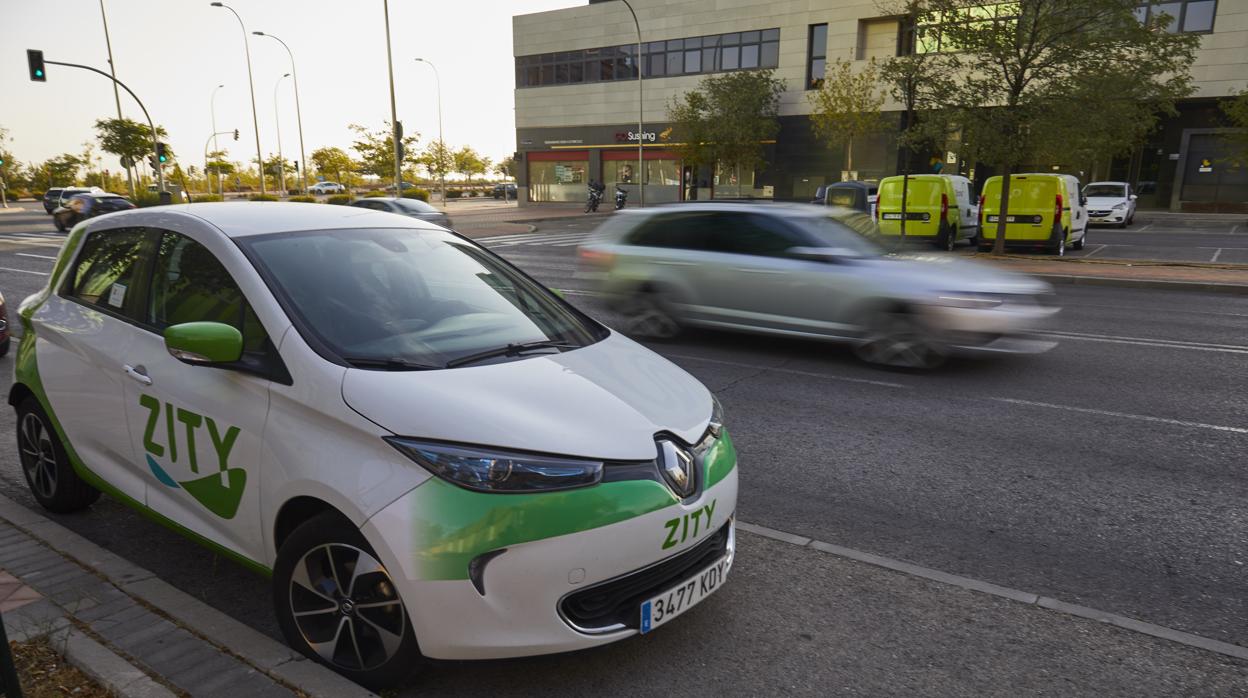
<point x="173" y="53"/>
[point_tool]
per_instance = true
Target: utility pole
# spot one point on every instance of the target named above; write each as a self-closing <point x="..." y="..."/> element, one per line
<point x="394" y="117"/>
<point x="255" y="120"/>
<point x="641" y="162"/>
<point x="441" y="141"/>
<point x="303" y="159"/>
<point x="112" y="69"/>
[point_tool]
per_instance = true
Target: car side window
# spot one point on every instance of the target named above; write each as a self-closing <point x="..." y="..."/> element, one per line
<point x="753" y="234"/>
<point x="189" y="284"/>
<point x="106" y="269"/>
<point x="685" y="231"/>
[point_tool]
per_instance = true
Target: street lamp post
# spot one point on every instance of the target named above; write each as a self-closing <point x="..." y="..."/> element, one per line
<point x="394" y="117"/>
<point x="212" y="107"/>
<point x="112" y="70"/>
<point x="303" y="159"/>
<point x="213" y="140"/>
<point x="641" y="163"/>
<point x="442" y="143"/>
<point x="277" y="119"/>
<point x="255" y="120"/>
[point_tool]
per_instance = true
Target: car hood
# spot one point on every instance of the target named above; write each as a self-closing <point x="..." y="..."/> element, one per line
<point x="1105" y="201"/>
<point x="925" y="273"/>
<point x="606" y="400"/>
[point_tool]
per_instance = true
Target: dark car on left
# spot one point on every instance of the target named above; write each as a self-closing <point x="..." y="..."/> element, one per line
<point x="414" y="208"/>
<point x="80" y="207"/>
<point x="4" y="328"/>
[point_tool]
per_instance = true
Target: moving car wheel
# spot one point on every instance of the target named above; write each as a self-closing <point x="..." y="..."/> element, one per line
<point x="337" y="604"/>
<point x="898" y="340"/>
<point x="51" y="478"/>
<point x="648" y="315"/>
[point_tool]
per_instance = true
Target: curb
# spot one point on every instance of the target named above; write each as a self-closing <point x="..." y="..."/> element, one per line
<point x="263" y="653"/>
<point x="1159" y="284"/>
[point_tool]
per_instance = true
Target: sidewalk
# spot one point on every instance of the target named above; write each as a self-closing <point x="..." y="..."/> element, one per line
<point x="508" y="218"/>
<point x="1218" y="278"/>
<point x="133" y="633"/>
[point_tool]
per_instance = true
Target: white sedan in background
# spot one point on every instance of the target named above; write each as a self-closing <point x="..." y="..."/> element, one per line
<point x="1110" y="202"/>
<point x="327" y="188"/>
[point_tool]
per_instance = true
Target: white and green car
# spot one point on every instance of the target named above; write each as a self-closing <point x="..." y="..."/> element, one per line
<point x="430" y="453"/>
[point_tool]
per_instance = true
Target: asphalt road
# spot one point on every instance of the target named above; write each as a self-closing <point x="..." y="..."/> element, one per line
<point x="1108" y="472"/>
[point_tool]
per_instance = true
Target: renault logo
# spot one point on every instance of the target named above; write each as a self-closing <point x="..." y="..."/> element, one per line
<point x="677" y="465"/>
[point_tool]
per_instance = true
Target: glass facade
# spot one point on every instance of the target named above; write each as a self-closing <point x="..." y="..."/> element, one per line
<point x="558" y="180"/>
<point x="696" y="55"/>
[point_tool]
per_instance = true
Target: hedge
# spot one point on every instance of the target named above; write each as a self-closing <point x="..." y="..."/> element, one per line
<point x="422" y="194"/>
<point x="340" y="199"/>
<point x="262" y="197"/>
<point x="454" y="193"/>
<point x="375" y="193"/>
<point x="145" y="199"/>
<point x="205" y="198"/>
<point x="303" y="199"/>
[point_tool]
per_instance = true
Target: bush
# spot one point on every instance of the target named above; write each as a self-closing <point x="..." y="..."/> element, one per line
<point x="340" y="199"/>
<point x="205" y="198"/>
<point x="303" y="199"/>
<point x="422" y="194"/>
<point x="454" y="193"/>
<point x="36" y="195"/>
<point x="262" y="197"/>
<point x="375" y="193"/>
<point x="145" y="199"/>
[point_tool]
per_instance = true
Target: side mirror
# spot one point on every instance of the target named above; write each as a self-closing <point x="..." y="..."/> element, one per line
<point x="204" y="343"/>
<point x="1083" y="200"/>
<point x="1133" y="197"/>
<point x="827" y="255"/>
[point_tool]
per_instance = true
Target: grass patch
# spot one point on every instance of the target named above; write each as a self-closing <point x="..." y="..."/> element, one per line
<point x="44" y="673"/>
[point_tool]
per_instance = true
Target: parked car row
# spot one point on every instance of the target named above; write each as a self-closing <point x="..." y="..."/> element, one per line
<point x="1045" y="210"/>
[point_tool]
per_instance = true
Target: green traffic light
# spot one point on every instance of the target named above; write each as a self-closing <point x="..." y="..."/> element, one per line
<point x="38" y="73"/>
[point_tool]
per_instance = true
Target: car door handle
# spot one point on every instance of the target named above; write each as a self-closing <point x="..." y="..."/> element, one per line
<point x="138" y="373"/>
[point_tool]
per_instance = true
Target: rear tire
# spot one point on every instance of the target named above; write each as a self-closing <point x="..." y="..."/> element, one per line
<point x="362" y="632"/>
<point x="1058" y="248"/>
<point x="46" y="465"/>
<point x="1079" y="245"/>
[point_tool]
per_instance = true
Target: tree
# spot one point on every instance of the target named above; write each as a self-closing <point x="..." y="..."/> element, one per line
<point x="333" y="163"/>
<point x="725" y="119"/>
<point x="847" y="106"/>
<point x="59" y="171"/>
<point x="507" y="167"/>
<point x="9" y="167"/>
<point x="376" y="149"/>
<point x="437" y="159"/>
<point x="1236" y="111"/>
<point x="469" y="162"/>
<point x="129" y="140"/>
<point x="1032" y="70"/>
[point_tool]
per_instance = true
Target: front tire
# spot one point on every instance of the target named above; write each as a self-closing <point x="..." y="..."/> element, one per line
<point x="337" y="604"/>
<point x="46" y="465"/>
<point x="896" y="339"/>
<point x="647" y="314"/>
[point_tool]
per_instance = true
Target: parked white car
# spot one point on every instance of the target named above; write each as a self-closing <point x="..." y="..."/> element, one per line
<point x="429" y="452"/>
<point x="327" y="188"/>
<point x="1110" y="202"/>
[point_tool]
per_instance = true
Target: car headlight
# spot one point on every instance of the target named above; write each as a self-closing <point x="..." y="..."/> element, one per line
<point x="1120" y="207"/>
<point x="499" y="471"/>
<point x="977" y="301"/>
<point x="716" y="427"/>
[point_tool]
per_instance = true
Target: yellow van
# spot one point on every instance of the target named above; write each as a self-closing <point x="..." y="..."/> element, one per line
<point x="1045" y="211"/>
<point x="939" y="209"/>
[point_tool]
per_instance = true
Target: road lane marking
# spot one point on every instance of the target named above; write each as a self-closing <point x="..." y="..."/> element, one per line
<point x="792" y="371"/>
<point x="1098" y="249"/>
<point x="985" y="587"/>
<point x="1216" y="255"/>
<point x="36" y="256"/>
<point x="24" y="271"/>
<point x="1233" y="229"/>
<point x="1123" y="415"/>
<point x="1145" y="341"/>
<point x="1145" y="228"/>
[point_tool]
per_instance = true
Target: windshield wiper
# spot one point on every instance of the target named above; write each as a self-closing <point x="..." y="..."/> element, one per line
<point x="391" y="364"/>
<point x="510" y="350"/>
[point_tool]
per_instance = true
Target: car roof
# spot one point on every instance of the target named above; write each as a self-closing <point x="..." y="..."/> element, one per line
<point x="1121" y="184"/>
<point x="792" y="209"/>
<point x="242" y="219"/>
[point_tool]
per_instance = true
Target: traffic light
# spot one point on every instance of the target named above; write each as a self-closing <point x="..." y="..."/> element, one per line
<point x="235" y="134"/>
<point x="161" y="155"/>
<point x="35" y="60"/>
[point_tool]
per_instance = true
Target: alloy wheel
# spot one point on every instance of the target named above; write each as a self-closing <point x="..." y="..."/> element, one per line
<point x="896" y="340"/>
<point x="346" y="607"/>
<point x="38" y="455"/>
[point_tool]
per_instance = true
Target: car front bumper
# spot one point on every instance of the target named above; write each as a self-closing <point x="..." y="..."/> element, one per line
<point x="1005" y="329"/>
<point x="429" y="544"/>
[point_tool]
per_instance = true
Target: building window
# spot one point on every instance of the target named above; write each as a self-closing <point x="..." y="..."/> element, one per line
<point x="816" y="56"/>
<point x="928" y="35"/>
<point x="1192" y="16"/>
<point x="689" y="56"/>
<point x="558" y="180"/>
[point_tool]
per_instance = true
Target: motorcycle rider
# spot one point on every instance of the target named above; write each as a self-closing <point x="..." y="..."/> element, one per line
<point x="595" y="195"/>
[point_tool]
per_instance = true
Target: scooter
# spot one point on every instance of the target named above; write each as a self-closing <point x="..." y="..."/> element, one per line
<point x="595" y="198"/>
<point x="621" y="197"/>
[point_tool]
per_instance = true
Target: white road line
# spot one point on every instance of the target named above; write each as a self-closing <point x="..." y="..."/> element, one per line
<point x="792" y="371"/>
<point x="25" y="271"/>
<point x="1098" y="249"/>
<point x="1123" y="415"/>
<point x="1145" y="227"/>
<point x="36" y="256"/>
<point x="1233" y="229"/>
<point x="1143" y="341"/>
<point x="1216" y="255"/>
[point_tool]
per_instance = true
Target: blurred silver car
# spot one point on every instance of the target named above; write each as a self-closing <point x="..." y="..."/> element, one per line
<point x="414" y="208"/>
<point x="807" y="271"/>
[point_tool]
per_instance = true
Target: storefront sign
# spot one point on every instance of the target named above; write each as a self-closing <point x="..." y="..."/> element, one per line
<point x="631" y="136"/>
<point x="565" y="141"/>
<point x="1206" y="166"/>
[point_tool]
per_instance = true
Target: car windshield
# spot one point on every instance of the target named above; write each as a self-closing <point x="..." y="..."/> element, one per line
<point x="1110" y="190"/>
<point x="855" y="232"/>
<point x="411" y="297"/>
<point x="415" y="206"/>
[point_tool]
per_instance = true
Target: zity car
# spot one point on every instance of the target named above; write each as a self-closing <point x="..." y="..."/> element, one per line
<point x="429" y="452"/>
<point x="799" y="270"/>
